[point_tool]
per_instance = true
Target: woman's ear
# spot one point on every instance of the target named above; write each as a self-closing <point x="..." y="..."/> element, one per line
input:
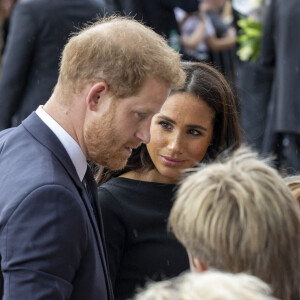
<point x="97" y="93"/>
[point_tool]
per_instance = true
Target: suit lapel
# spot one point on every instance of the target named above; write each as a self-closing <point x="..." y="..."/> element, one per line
<point x="41" y="132"/>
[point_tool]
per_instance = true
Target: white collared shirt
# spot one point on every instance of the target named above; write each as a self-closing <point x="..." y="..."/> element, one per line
<point x="73" y="149"/>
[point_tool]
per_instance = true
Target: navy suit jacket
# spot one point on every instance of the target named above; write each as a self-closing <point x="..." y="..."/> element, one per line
<point x="50" y="244"/>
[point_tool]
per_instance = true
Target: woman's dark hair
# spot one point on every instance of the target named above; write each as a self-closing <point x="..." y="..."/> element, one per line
<point x="209" y="85"/>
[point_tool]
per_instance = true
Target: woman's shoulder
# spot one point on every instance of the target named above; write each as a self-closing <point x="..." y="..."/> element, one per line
<point x="112" y="195"/>
<point x="114" y="186"/>
<point x="117" y="184"/>
<point x="117" y="189"/>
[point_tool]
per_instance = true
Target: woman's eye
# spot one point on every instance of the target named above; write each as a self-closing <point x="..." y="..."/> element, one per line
<point x="194" y="132"/>
<point x="165" y="125"/>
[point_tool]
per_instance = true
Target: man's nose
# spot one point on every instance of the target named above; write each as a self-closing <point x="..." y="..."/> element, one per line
<point x="143" y="133"/>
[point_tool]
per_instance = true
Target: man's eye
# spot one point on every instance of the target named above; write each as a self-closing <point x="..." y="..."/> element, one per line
<point x="141" y="115"/>
<point x="165" y="125"/>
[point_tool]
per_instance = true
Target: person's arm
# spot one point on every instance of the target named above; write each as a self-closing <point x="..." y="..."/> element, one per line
<point x="16" y="61"/>
<point x="114" y="230"/>
<point x="42" y="244"/>
<point x="223" y="43"/>
<point x="197" y="37"/>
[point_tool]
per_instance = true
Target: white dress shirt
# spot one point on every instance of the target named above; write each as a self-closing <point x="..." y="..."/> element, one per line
<point x="73" y="149"/>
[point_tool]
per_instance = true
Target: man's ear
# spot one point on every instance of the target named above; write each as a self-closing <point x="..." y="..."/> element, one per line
<point x="96" y="94"/>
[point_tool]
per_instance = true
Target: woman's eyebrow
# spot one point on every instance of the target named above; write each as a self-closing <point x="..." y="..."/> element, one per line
<point x="189" y="125"/>
<point x="196" y="126"/>
<point x="166" y="119"/>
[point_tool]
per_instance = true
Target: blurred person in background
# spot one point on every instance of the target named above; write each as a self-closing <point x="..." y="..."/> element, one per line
<point x="206" y="37"/>
<point x="222" y="44"/>
<point x="195" y="28"/>
<point x="252" y="79"/>
<point x="38" y="32"/>
<point x="279" y="56"/>
<point x="225" y="36"/>
<point x="159" y="14"/>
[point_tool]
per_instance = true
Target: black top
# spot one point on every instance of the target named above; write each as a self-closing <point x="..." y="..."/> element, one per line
<point x="139" y="247"/>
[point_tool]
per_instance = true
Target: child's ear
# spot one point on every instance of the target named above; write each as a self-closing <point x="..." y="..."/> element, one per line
<point x="198" y="265"/>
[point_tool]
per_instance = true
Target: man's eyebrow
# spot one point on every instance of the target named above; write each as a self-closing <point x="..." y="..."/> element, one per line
<point x="144" y="111"/>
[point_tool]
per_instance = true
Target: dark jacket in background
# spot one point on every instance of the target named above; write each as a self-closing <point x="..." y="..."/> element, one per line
<point x="276" y="82"/>
<point x="38" y="32"/>
<point x="159" y="14"/>
<point x="131" y="8"/>
<point x="224" y="61"/>
<point x="280" y="54"/>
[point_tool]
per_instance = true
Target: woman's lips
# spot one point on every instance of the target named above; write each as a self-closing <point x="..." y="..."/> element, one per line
<point x="173" y="162"/>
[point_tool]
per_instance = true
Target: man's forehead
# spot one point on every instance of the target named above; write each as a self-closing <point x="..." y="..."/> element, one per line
<point x="147" y="107"/>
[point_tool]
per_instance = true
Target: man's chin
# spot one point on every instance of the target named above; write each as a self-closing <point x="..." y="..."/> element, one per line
<point x="116" y="165"/>
<point x="114" y="162"/>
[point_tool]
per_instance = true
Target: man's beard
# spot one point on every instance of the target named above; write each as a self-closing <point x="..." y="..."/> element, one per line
<point x="102" y="143"/>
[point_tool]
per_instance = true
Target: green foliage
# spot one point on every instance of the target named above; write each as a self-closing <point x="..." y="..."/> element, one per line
<point x="249" y="38"/>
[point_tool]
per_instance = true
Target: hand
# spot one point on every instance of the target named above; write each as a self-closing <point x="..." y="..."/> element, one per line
<point x="204" y="6"/>
<point x="201" y="15"/>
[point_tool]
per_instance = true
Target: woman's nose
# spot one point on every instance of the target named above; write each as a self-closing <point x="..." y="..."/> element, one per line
<point x="175" y="143"/>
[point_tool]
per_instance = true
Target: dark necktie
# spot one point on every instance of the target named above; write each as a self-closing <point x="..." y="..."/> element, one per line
<point x="91" y="190"/>
<point x="90" y="186"/>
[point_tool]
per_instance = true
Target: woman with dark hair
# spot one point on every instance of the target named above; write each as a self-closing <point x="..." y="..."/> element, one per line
<point x="195" y="124"/>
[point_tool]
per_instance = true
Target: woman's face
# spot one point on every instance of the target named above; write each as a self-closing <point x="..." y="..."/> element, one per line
<point x="180" y="135"/>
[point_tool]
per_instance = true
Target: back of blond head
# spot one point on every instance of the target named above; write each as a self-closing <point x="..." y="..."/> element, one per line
<point x="210" y="285"/>
<point x="239" y="215"/>
<point x="120" y="51"/>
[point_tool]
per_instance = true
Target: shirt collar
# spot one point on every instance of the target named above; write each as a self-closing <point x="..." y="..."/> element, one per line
<point x="73" y="149"/>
